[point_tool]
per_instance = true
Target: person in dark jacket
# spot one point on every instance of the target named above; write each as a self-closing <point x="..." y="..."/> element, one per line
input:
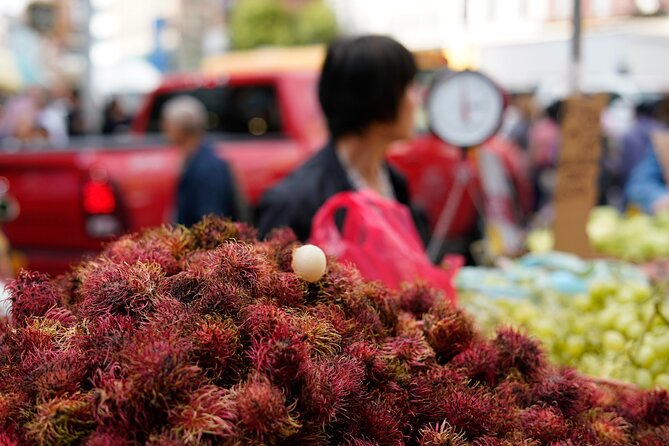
<point x="206" y="185"/>
<point x="367" y="94"/>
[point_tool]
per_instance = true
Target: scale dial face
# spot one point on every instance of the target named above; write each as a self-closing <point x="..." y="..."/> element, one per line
<point x="465" y="108"/>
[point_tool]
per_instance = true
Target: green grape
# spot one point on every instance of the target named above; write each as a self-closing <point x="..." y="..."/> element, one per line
<point x="613" y="341"/>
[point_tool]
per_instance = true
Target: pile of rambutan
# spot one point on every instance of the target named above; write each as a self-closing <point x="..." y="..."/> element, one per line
<point x="206" y="336"/>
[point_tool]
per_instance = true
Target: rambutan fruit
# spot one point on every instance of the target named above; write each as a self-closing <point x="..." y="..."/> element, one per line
<point x="106" y="437"/>
<point x="216" y="345"/>
<point x="564" y="390"/>
<point x="220" y="298"/>
<point x="262" y="320"/>
<point x="119" y="288"/>
<point x="184" y="286"/>
<point x="62" y="421"/>
<point x="653" y="436"/>
<point x="653" y="408"/>
<point x="543" y="423"/>
<point x="32" y="295"/>
<point x="514" y="391"/>
<point x="608" y="429"/>
<point x="412" y="350"/>
<point x="418" y="298"/>
<point x="287" y="290"/>
<point x="377" y="370"/>
<point x="448" y="330"/>
<point x="374" y="420"/>
<point x="7" y="439"/>
<point x="102" y="338"/>
<point x="63" y="374"/>
<point x="336" y="318"/>
<point x="478" y="363"/>
<point x="207" y="416"/>
<point x="211" y="232"/>
<point x="281" y="243"/>
<point x="516" y="351"/>
<point x="328" y="388"/>
<point x="441" y="434"/>
<point x="238" y="264"/>
<point x="352" y="441"/>
<point x="472" y="411"/>
<point x="262" y="412"/>
<point x="164" y="245"/>
<point x="282" y="359"/>
<point x="321" y="337"/>
<point x="61" y="315"/>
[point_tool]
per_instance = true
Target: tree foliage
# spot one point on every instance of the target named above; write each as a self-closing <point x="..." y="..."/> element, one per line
<point x="256" y="23"/>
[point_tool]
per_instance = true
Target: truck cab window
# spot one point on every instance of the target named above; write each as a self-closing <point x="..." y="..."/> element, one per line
<point x="241" y="111"/>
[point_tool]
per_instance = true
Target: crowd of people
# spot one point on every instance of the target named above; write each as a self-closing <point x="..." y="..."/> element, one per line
<point x="41" y="117"/>
<point x="628" y="166"/>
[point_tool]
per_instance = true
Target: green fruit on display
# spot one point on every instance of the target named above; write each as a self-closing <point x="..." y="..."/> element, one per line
<point x="618" y="328"/>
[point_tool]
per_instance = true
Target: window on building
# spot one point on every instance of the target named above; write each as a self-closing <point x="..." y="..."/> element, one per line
<point x="492" y="10"/>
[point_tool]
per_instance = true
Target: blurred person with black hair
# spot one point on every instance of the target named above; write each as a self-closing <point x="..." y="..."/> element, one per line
<point x="543" y="149"/>
<point x="206" y="186"/>
<point x="115" y="120"/>
<point x="368" y="96"/>
<point x="637" y="140"/>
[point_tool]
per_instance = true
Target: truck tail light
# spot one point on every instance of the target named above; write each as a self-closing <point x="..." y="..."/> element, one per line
<point x="99" y="198"/>
<point x="101" y="208"/>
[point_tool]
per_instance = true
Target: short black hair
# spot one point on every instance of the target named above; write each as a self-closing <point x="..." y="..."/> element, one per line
<point x="363" y="81"/>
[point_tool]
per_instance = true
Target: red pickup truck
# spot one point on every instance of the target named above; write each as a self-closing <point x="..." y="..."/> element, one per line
<point x="67" y="203"/>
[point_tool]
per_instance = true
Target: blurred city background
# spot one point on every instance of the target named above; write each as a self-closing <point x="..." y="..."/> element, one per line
<point x="119" y="48"/>
<point x="71" y="70"/>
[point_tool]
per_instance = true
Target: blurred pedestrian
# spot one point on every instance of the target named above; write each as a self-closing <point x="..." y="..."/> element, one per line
<point x="367" y="93"/>
<point x="76" y="125"/>
<point x="115" y="119"/>
<point x="637" y="140"/>
<point x="647" y="187"/>
<point x="206" y="185"/>
<point x="544" y="147"/>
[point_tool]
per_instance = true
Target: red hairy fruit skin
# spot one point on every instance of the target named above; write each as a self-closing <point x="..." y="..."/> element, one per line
<point x="517" y="352"/>
<point x="441" y="435"/>
<point x="207" y="416"/>
<point x="653" y="436"/>
<point x="281" y="243"/>
<point x="565" y="390"/>
<point x="184" y="286"/>
<point x="105" y="437"/>
<point x="282" y="358"/>
<point x="418" y="298"/>
<point x="164" y="246"/>
<point x="448" y="330"/>
<point x="653" y="408"/>
<point x="544" y="423"/>
<point x="478" y="363"/>
<point x="211" y="232"/>
<point x="61" y="421"/>
<point x="411" y="350"/>
<point x="32" y="295"/>
<point x="608" y="428"/>
<point x="205" y="336"/>
<point x="216" y="347"/>
<point x="375" y="420"/>
<point x="262" y="412"/>
<point x="329" y="388"/>
<point x="119" y="288"/>
<point x="61" y="315"/>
